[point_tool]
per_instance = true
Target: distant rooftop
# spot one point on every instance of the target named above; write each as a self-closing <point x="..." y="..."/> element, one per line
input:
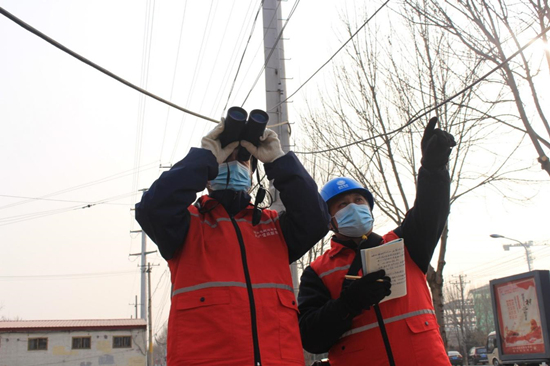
<point x="81" y="324"/>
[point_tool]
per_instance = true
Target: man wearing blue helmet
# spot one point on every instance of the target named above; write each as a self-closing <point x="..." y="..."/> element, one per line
<point x="336" y="314"/>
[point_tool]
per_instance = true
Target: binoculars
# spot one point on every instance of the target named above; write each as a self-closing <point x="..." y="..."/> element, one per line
<point x="238" y="128"/>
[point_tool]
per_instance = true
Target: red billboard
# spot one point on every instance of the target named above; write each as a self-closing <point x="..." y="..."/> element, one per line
<point x="518" y="311"/>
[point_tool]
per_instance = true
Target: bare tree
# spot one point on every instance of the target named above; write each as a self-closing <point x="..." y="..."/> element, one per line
<point x="320" y="172"/>
<point x="159" y="351"/>
<point x="360" y="128"/>
<point x="460" y="315"/>
<point x="491" y="29"/>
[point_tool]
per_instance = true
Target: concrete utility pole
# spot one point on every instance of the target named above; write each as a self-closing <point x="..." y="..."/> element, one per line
<point x="143" y="254"/>
<point x="150" y="325"/>
<point x="135" y="306"/>
<point x="275" y="86"/>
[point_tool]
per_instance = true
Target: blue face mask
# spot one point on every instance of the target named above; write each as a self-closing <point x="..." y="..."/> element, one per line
<point x="354" y="220"/>
<point x="239" y="177"/>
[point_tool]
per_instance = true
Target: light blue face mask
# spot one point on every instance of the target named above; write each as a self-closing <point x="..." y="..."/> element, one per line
<point x="239" y="177"/>
<point x="354" y="220"/>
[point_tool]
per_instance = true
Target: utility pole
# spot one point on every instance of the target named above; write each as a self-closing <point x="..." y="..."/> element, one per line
<point x="135" y="306"/>
<point x="275" y="87"/>
<point x="143" y="255"/>
<point x="150" y="325"/>
<point x="275" y="83"/>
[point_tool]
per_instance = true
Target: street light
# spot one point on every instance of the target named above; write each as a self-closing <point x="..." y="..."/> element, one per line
<point x="522" y="244"/>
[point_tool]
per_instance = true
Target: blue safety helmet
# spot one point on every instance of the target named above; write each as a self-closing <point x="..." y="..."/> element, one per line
<point x="340" y="185"/>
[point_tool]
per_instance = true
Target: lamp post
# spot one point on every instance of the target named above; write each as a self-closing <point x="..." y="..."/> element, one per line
<point x="520" y="244"/>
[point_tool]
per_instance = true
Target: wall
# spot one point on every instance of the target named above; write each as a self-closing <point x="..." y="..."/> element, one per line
<point x="14" y="352"/>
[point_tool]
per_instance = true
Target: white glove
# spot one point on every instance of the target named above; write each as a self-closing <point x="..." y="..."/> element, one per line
<point x="211" y="142"/>
<point x="269" y="148"/>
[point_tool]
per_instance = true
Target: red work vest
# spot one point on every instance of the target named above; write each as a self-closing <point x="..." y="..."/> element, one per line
<point x="211" y="314"/>
<point x="410" y="321"/>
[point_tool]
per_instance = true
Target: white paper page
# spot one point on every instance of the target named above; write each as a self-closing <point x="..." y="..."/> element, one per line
<point x="391" y="258"/>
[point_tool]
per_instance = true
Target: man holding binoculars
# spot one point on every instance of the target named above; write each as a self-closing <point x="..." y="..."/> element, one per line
<point x="232" y="295"/>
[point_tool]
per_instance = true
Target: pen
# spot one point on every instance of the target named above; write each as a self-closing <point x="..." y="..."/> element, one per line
<point x="350" y="277"/>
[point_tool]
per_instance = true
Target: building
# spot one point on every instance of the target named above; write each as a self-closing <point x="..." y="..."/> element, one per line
<point x="483" y="308"/>
<point x="109" y="342"/>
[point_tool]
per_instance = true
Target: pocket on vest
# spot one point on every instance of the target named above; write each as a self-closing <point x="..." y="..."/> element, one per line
<point x="422" y="323"/>
<point x="204" y="326"/>
<point x="425" y="341"/>
<point x="289" y="334"/>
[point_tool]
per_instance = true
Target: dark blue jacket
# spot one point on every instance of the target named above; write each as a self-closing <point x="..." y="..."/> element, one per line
<point x="163" y="215"/>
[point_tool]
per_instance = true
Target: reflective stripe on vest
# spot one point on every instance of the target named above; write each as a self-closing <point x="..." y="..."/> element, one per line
<point x="334" y="270"/>
<point x="213" y="225"/>
<point x="387" y="321"/>
<point x="230" y="284"/>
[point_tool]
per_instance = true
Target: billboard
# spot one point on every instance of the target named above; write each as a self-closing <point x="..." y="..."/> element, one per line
<point x="521" y="307"/>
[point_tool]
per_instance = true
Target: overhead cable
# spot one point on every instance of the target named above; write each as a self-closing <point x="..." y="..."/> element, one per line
<point x="414" y="119"/>
<point x="173" y="80"/>
<point x="231" y="60"/>
<point x="35" y="215"/>
<point x="331" y="57"/>
<point x="68" y="276"/>
<point x="144" y="80"/>
<point x="242" y="56"/>
<point x="53" y="200"/>
<point x="97" y="67"/>
<point x="81" y="186"/>
<point x="196" y="72"/>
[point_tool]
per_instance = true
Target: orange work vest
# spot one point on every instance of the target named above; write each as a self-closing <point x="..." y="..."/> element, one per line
<point x="232" y="294"/>
<point x="410" y="321"/>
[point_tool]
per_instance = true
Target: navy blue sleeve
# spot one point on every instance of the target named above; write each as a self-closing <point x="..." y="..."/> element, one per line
<point x="322" y="320"/>
<point x="424" y="223"/>
<point x="305" y="219"/>
<point x="162" y="212"/>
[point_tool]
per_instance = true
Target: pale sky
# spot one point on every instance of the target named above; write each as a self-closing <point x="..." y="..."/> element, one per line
<point x="74" y="137"/>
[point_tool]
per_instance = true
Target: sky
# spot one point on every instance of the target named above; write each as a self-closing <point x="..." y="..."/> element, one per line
<point x="78" y="146"/>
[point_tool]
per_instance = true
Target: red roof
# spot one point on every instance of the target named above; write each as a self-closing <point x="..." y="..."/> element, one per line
<point x="57" y="325"/>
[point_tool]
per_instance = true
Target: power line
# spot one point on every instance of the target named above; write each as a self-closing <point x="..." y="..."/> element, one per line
<point x="173" y="80"/>
<point x="54" y="200"/>
<point x="493" y="267"/>
<point x="206" y="91"/>
<point x="144" y="81"/>
<point x="35" y="215"/>
<point x="198" y="65"/>
<point x="334" y="55"/>
<point x="81" y="186"/>
<point x="97" y="67"/>
<point x="242" y="56"/>
<point x="414" y="119"/>
<point x="68" y="276"/>
<point x="232" y="60"/>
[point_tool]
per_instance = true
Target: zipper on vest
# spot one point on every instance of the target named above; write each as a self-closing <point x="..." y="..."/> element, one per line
<point x="257" y="360"/>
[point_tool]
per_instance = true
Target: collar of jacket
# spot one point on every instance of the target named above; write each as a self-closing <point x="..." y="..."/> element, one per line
<point x="338" y="245"/>
<point x="233" y="202"/>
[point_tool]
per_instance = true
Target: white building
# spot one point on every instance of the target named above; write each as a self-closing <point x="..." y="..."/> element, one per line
<point x="110" y="342"/>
